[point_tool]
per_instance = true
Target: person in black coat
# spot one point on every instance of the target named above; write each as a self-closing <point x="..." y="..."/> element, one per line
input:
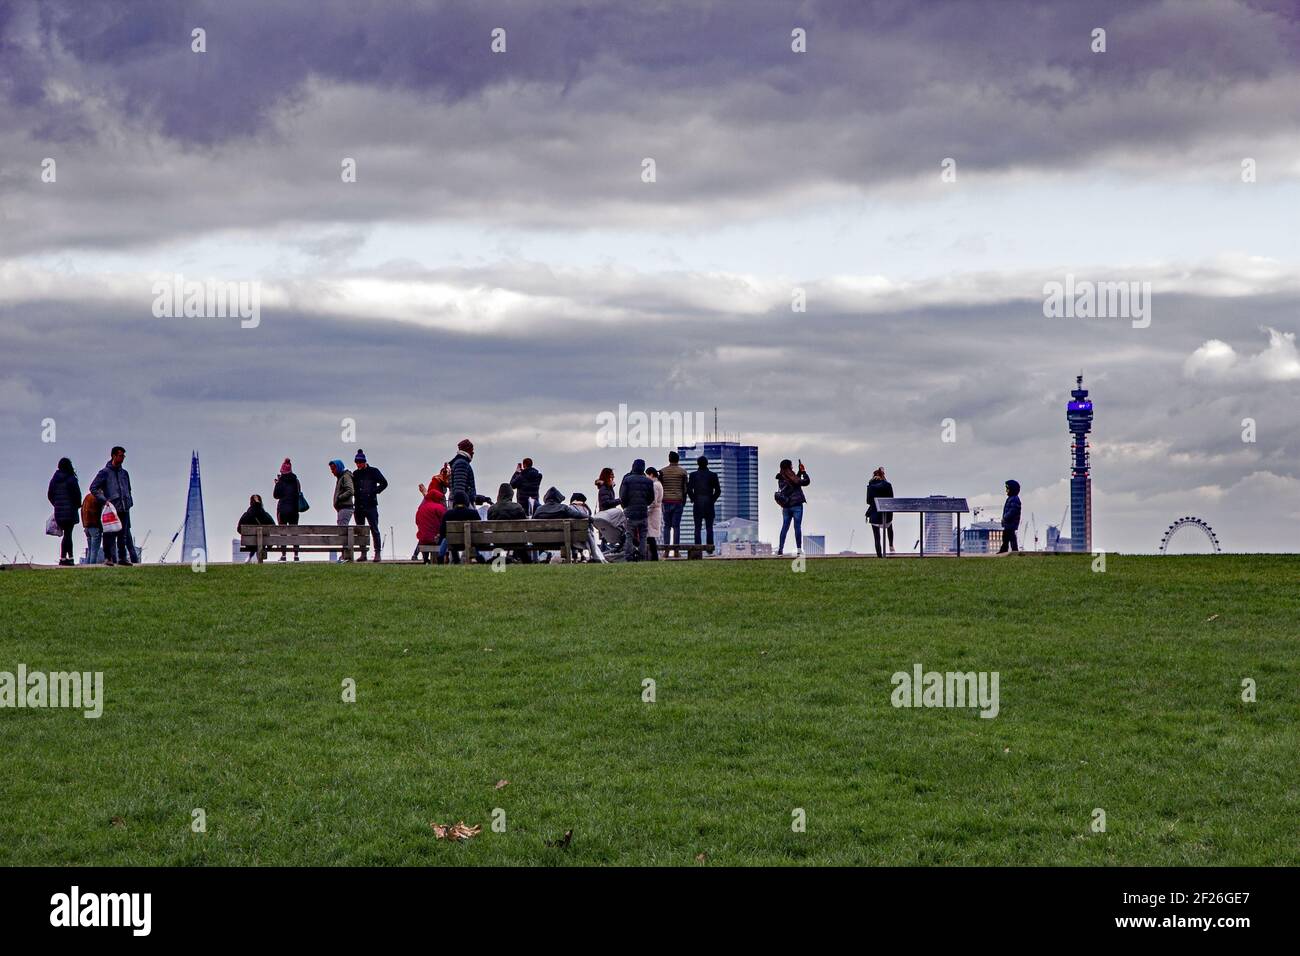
<point x="65" y="494"/>
<point x="370" y="483"/>
<point x="287" y="491"/>
<point x="703" y="490"/>
<point x="527" y="482"/>
<point x="1011" y="517"/>
<point x="882" y="522"/>
<point x="256" y="514"/>
<point x="636" y="494"/>
<point x="459" y="511"/>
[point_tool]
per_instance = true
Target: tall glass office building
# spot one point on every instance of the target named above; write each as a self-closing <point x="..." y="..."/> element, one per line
<point x="737" y="468"/>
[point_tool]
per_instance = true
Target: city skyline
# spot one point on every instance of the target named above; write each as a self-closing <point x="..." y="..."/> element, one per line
<point x="854" y="279"/>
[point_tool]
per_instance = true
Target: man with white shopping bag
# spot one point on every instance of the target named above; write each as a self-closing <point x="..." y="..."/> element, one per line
<point x="112" y="486"/>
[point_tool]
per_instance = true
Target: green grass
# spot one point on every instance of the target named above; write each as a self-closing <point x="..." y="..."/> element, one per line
<point x="773" y="692"/>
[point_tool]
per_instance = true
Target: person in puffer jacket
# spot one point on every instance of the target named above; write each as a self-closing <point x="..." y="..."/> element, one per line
<point x="553" y="506"/>
<point x="606" y="499"/>
<point x="1011" y="517"/>
<point x="636" y="494"/>
<point x="462" y="472"/>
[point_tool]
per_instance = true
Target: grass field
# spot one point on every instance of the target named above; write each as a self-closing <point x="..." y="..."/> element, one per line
<point x="224" y="692"/>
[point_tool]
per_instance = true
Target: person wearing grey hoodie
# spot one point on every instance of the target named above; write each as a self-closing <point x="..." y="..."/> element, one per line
<point x="345" y="493"/>
<point x="636" y="494"/>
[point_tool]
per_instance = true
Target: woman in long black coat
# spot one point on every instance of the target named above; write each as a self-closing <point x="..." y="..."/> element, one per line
<point x="65" y="495"/>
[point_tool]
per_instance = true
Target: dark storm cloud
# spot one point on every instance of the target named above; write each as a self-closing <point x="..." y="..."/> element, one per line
<point x="553" y="131"/>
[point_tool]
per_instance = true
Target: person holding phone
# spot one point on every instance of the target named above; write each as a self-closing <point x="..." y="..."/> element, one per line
<point x="789" y="495"/>
<point x="527" y="483"/>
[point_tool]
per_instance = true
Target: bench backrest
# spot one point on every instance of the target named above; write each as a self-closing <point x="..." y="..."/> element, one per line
<point x="304" y="535"/>
<point x="507" y="534"/>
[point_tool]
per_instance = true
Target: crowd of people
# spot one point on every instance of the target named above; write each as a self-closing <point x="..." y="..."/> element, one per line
<point x="634" y="520"/>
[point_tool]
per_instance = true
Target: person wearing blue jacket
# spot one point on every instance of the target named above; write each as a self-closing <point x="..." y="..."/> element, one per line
<point x="1010" y="517"/>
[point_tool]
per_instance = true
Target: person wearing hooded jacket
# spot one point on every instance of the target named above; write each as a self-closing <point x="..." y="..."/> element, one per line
<point x="64" y="493"/>
<point x="505" y="508"/>
<point x="344" y="497"/>
<point x="636" y="494"/>
<point x="429" y="517"/>
<point x="286" y="492"/>
<point x="882" y="522"/>
<point x="1010" y="517"/>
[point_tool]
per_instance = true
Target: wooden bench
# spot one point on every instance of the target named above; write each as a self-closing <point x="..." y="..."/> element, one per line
<point x="694" y="552"/>
<point x="549" y="534"/>
<point x="260" y="538"/>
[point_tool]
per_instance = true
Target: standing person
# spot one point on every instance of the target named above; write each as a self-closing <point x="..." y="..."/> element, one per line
<point x="527" y="481"/>
<point x="636" y="494"/>
<point x="1010" y="517"/>
<point x="112" y="485"/>
<point x="369" y="483"/>
<point x="673" y="480"/>
<point x="703" y="491"/>
<point x="882" y="522"/>
<point x="462" y="472"/>
<point x="655" y="522"/>
<point x="606" y="499"/>
<point x="90" y="509"/>
<point x="64" y="493"/>
<point x="428" y="517"/>
<point x="789" y="495"/>
<point x="287" y="492"/>
<point x="344" y="498"/>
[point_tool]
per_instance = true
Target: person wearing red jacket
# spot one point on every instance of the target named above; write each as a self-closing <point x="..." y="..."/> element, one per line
<point x="428" y="517"/>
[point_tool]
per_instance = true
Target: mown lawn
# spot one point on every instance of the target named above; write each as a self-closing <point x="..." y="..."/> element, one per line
<point x="224" y="692"/>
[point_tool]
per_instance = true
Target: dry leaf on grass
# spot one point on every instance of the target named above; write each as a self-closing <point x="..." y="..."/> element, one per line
<point x="500" y="783"/>
<point x="457" y="832"/>
<point x="701" y="857"/>
<point x="563" y="841"/>
<point x="119" y="822"/>
<point x="1211" y="618"/>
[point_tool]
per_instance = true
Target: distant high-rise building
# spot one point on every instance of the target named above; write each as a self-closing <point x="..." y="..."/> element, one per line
<point x="814" y="544"/>
<point x="1078" y="414"/>
<point x="736" y="466"/>
<point x="940" y="537"/>
<point x="195" y="534"/>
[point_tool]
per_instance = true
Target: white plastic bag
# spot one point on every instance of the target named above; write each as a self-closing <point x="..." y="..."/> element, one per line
<point x="52" y="527"/>
<point x="108" y="519"/>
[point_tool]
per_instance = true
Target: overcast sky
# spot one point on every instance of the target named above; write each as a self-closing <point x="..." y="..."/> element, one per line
<point x="500" y="270"/>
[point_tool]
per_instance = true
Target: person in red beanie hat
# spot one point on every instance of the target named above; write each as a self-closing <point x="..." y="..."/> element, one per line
<point x="462" y="472"/>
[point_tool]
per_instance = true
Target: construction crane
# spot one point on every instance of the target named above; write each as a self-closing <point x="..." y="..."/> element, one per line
<point x="168" y="549"/>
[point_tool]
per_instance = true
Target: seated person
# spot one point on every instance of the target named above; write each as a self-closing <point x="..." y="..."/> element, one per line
<point x="505" y="508"/>
<point x="553" y="506"/>
<point x="256" y="514"/>
<point x="428" y="519"/>
<point x="460" y="511"/>
<point x="579" y="500"/>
